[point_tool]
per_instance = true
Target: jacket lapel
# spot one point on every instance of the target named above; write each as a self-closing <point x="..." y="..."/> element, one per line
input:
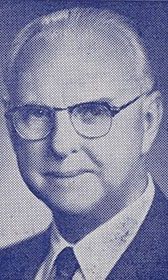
<point x="143" y="259"/>
<point x="38" y="251"/>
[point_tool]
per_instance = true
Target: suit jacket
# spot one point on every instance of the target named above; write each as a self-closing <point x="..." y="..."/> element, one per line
<point x="145" y="258"/>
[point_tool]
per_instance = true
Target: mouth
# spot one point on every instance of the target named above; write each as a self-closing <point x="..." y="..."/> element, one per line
<point x="65" y="175"/>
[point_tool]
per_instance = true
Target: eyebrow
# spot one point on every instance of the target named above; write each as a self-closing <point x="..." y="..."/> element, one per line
<point x="107" y="100"/>
<point x="101" y="100"/>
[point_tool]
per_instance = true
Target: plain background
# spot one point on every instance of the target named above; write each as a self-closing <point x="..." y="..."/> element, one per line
<point x="21" y="214"/>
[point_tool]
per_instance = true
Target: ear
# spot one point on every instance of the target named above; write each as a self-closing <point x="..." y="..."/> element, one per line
<point x="152" y="115"/>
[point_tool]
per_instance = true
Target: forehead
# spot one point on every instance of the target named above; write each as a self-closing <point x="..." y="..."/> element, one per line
<point x="63" y="68"/>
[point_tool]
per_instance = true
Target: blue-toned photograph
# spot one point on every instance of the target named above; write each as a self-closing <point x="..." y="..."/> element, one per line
<point x="83" y="140"/>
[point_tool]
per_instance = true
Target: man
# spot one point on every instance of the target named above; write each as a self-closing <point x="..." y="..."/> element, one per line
<point x="82" y="114"/>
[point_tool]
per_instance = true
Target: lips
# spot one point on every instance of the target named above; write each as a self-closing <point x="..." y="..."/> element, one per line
<point x="68" y="174"/>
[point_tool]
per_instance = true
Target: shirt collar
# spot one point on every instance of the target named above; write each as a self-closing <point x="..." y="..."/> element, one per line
<point x="99" y="251"/>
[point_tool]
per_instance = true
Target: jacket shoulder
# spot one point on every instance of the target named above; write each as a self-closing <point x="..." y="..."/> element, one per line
<point x="16" y="259"/>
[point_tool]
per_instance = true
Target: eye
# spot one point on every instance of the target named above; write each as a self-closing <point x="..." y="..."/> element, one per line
<point x="92" y="112"/>
<point x="34" y="112"/>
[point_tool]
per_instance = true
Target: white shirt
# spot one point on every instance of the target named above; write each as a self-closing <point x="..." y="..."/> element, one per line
<point x="99" y="251"/>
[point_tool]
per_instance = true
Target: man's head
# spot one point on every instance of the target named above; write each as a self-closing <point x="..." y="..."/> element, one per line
<point x="81" y="158"/>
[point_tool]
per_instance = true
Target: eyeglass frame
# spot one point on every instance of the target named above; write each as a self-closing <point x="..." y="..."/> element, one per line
<point x="114" y="110"/>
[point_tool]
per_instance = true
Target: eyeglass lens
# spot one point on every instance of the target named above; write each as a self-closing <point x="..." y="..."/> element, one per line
<point x="89" y="120"/>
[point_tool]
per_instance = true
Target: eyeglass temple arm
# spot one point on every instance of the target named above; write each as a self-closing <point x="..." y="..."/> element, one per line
<point x="117" y="110"/>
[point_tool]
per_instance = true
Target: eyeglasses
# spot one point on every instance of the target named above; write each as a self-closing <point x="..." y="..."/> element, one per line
<point x="90" y="120"/>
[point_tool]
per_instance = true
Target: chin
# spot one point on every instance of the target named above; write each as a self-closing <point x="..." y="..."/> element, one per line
<point x="76" y="207"/>
<point x="77" y="194"/>
<point x="69" y="202"/>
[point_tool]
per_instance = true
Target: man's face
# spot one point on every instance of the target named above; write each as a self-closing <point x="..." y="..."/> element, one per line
<point x="93" y="173"/>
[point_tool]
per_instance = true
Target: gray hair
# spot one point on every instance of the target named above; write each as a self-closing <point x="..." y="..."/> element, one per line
<point x="100" y="19"/>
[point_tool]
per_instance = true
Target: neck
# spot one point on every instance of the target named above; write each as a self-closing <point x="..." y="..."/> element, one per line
<point x="73" y="227"/>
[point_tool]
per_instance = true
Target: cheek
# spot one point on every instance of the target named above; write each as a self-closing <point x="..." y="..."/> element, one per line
<point x="30" y="158"/>
<point x="126" y="134"/>
<point x="119" y="149"/>
<point x="31" y="155"/>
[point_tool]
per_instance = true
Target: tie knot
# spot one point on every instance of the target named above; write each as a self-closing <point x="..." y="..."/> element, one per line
<point x="66" y="264"/>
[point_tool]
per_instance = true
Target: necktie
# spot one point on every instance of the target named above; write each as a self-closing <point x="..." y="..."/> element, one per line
<point x="66" y="264"/>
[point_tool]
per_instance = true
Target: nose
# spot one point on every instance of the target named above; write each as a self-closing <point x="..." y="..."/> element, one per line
<point x="64" y="139"/>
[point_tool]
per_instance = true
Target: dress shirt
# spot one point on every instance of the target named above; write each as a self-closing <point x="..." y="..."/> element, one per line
<point x="99" y="251"/>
